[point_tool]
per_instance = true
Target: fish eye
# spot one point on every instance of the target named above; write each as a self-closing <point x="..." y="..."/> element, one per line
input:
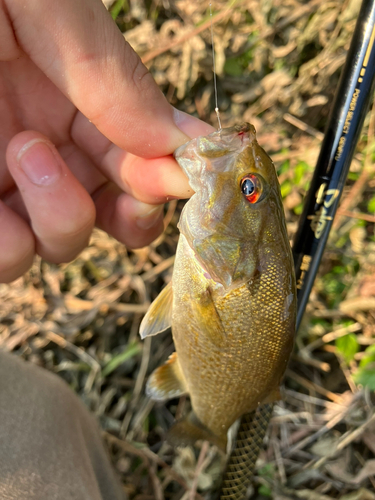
<point x="251" y="187"/>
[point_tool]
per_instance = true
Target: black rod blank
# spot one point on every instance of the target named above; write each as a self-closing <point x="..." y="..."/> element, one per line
<point x="342" y="133"/>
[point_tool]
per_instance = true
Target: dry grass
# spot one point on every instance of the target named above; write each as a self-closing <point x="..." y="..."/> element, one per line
<point x="278" y="65"/>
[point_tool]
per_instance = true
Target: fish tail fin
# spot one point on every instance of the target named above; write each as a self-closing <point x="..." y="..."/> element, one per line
<point x="188" y="431"/>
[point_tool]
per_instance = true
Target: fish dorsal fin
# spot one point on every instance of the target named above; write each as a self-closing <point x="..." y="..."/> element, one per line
<point x="159" y="315"/>
<point x="167" y="381"/>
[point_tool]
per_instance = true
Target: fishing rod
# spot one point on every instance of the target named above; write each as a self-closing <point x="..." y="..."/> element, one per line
<point x="344" y="126"/>
<point x="341" y="136"/>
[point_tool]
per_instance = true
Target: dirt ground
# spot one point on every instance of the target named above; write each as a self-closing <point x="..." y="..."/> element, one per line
<point x="278" y="63"/>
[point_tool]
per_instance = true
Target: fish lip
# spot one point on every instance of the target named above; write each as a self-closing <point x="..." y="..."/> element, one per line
<point x="239" y="129"/>
<point x="244" y="128"/>
<point x="245" y="131"/>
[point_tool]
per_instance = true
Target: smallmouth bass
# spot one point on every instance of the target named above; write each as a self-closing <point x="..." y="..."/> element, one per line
<point x="231" y="302"/>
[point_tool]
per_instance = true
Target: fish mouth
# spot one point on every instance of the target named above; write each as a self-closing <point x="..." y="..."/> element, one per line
<point x="241" y="130"/>
<point x="219" y="143"/>
<point x="225" y="141"/>
<point x="238" y="129"/>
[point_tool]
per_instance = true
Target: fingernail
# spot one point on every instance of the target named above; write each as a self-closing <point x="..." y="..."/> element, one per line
<point x="39" y="163"/>
<point x="147" y="218"/>
<point x="189" y="125"/>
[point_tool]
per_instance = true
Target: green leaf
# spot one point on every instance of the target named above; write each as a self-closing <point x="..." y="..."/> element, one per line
<point x="284" y="167"/>
<point x="301" y="168"/>
<point x="369" y="356"/>
<point x="338" y="270"/>
<point x="116" y="8"/>
<point x="366" y="377"/>
<point x="265" y="490"/>
<point x="267" y="471"/>
<point x="371" y="205"/>
<point x="353" y="176"/>
<point x="130" y="351"/>
<point x="286" y="188"/>
<point x="348" y="346"/>
<point x="298" y="209"/>
<point x="233" y="67"/>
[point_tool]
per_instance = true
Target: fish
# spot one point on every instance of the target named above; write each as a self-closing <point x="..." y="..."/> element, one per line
<point x="231" y="301"/>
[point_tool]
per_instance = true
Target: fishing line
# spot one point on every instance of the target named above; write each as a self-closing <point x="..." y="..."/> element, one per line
<point x="214" y="69"/>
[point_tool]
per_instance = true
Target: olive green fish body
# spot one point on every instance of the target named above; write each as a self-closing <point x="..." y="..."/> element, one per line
<point x="231" y="303"/>
<point x="235" y="357"/>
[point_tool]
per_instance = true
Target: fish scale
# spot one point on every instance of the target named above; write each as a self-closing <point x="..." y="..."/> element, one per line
<point x="231" y="301"/>
<point x="237" y="368"/>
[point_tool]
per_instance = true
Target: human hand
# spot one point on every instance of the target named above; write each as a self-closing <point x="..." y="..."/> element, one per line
<point x="85" y="135"/>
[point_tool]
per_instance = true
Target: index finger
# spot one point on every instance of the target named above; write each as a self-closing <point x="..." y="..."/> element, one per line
<point x="79" y="47"/>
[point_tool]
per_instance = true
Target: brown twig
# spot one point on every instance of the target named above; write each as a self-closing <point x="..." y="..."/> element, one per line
<point x="303" y="126"/>
<point x="78" y="351"/>
<point x="158" y="269"/>
<point x="347" y="373"/>
<point x="170" y="213"/>
<point x="137" y="387"/>
<point x="329" y="337"/>
<point x="345" y="441"/>
<point x="158" y="490"/>
<point x="316" y="363"/>
<point x="356" y="215"/>
<point x="340" y="415"/>
<point x="146" y="453"/>
<point x="314" y="387"/>
<point x="198" y="470"/>
<point x="279" y="460"/>
<point x="215" y="19"/>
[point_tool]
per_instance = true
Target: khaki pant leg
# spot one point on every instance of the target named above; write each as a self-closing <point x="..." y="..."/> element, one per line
<point x="50" y="446"/>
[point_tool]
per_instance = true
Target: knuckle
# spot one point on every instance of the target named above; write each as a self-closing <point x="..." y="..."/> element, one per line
<point x="76" y="227"/>
<point x="9" y="48"/>
<point x="17" y="245"/>
<point x="139" y="74"/>
<point x="141" y="239"/>
<point x="67" y="239"/>
<point x="14" y="264"/>
<point x="67" y="219"/>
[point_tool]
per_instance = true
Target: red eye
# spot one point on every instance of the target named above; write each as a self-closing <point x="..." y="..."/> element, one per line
<point x="251" y="188"/>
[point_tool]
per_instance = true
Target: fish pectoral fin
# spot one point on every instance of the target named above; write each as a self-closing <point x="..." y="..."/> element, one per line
<point x="274" y="395"/>
<point x="208" y="318"/>
<point x="188" y="431"/>
<point x="167" y="381"/>
<point x="159" y="315"/>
